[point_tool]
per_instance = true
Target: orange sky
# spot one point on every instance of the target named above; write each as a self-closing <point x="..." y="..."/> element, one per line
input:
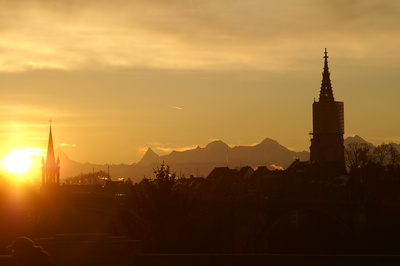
<point x="117" y="77"/>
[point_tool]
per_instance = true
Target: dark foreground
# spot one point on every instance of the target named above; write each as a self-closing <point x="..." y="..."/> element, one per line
<point x="231" y="260"/>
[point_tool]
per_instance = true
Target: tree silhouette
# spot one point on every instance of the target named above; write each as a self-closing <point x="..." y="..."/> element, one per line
<point x="368" y="162"/>
<point x="161" y="213"/>
<point x="387" y="156"/>
<point x="358" y="155"/>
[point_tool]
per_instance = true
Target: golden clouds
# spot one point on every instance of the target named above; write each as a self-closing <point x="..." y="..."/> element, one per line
<point x="100" y="67"/>
<point x="166" y="148"/>
<point x="185" y="34"/>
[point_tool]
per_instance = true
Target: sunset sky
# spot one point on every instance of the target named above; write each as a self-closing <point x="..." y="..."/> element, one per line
<point x="117" y="77"/>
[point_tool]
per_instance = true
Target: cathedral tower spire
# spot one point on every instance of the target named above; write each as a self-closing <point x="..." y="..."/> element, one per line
<point x="326" y="93"/>
<point x="327" y="147"/>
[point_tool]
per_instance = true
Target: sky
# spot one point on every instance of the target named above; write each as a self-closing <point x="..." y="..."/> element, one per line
<point x="117" y="77"/>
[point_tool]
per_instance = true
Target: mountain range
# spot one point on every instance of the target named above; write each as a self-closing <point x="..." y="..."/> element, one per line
<point x="198" y="161"/>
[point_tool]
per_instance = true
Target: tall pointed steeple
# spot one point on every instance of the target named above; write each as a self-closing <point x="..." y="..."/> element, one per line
<point x="50" y="149"/>
<point x="50" y="167"/>
<point x="327" y="147"/>
<point x="326" y="93"/>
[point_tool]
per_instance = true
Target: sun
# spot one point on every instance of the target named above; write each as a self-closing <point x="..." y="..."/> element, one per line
<point x="17" y="162"/>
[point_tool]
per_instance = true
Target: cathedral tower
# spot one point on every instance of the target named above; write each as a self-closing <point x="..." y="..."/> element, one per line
<point x="50" y="167"/>
<point x="327" y="148"/>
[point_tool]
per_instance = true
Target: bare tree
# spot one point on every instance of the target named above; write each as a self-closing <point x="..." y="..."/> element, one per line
<point x="381" y="154"/>
<point x="358" y="155"/>
<point x="387" y="156"/>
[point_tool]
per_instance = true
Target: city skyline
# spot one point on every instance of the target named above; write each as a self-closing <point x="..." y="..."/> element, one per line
<point x="119" y="78"/>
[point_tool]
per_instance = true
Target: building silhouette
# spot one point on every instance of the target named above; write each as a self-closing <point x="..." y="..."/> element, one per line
<point x="50" y="167"/>
<point x="327" y="148"/>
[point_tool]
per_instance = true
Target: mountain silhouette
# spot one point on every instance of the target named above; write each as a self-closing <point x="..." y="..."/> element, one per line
<point x="213" y="153"/>
<point x="149" y="157"/>
<point x="356" y="139"/>
<point x="359" y="139"/>
<point x="198" y="161"/>
<point x="71" y="168"/>
<point x="217" y="144"/>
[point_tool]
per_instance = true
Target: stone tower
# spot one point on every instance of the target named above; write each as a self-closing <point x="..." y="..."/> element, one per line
<point x="327" y="148"/>
<point x="50" y="167"/>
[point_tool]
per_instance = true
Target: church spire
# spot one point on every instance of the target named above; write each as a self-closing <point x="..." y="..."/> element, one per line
<point x="50" y="159"/>
<point x="50" y="167"/>
<point x="326" y="93"/>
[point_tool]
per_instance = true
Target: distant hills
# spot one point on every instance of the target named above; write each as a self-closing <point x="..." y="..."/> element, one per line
<point x="358" y="139"/>
<point x="198" y="161"/>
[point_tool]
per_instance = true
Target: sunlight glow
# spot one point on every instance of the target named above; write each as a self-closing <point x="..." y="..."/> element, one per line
<point x="17" y="162"/>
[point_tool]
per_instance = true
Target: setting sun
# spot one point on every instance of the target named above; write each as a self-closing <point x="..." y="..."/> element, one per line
<point x="17" y="162"/>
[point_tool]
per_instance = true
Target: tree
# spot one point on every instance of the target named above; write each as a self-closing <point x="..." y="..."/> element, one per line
<point x="381" y="154"/>
<point x="387" y="155"/>
<point x="371" y="162"/>
<point x="358" y="155"/>
<point x="394" y="156"/>
<point x="161" y="213"/>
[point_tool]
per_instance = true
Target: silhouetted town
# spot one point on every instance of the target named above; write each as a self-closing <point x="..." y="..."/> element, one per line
<point x="343" y="201"/>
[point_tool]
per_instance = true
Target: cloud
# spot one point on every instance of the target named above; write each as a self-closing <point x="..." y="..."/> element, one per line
<point x="270" y="35"/>
<point x="165" y="148"/>
<point x="20" y="123"/>
<point x="17" y="112"/>
<point x="168" y="150"/>
<point x="36" y="151"/>
<point x="67" y="145"/>
<point x="176" y="107"/>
